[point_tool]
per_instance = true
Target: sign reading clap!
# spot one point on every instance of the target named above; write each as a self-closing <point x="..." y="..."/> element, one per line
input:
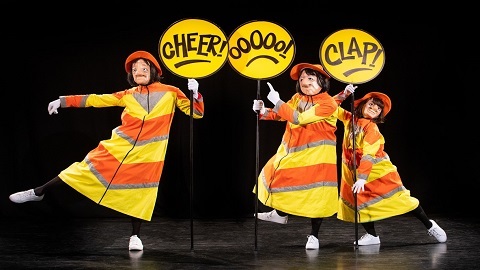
<point x="352" y="56"/>
<point x="260" y="49"/>
<point x="193" y="48"/>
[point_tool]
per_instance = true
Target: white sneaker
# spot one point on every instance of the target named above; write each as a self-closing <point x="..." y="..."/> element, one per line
<point x="272" y="216"/>
<point x="312" y="242"/>
<point x="25" y="196"/>
<point x="437" y="232"/>
<point x="135" y="243"/>
<point x="368" y="239"/>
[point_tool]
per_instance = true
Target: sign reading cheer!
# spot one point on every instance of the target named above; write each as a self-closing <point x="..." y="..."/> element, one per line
<point x="193" y="48"/>
<point x="352" y="56"/>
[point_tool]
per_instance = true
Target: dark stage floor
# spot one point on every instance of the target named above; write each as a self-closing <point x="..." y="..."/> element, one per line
<point x="102" y="243"/>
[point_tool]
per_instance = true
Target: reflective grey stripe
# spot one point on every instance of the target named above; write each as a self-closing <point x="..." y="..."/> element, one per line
<point x="297" y="188"/>
<point x="140" y="142"/>
<point x="116" y="186"/>
<point x="308" y="145"/>
<point x="376" y="200"/>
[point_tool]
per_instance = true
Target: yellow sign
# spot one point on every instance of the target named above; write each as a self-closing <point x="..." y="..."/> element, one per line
<point x="352" y="56"/>
<point x="260" y="49"/>
<point x="193" y="48"/>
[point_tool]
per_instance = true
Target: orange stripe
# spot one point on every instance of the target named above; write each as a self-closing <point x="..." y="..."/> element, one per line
<point x="139" y="173"/>
<point x="311" y="133"/>
<point x="150" y="127"/>
<point x="301" y="176"/>
<point x="380" y="186"/>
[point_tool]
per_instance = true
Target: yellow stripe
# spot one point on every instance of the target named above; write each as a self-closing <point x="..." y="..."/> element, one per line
<point x="137" y="202"/>
<point x="398" y="204"/>
<point x="118" y="147"/>
<point x="315" y="202"/>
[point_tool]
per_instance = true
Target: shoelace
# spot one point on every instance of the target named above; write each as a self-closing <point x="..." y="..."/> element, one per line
<point x="365" y="236"/>
<point x="311" y="240"/>
<point x="433" y="232"/>
<point x="269" y="215"/>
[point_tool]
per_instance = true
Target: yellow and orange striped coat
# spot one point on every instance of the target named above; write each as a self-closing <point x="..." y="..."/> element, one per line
<point x="301" y="178"/>
<point x="123" y="172"/>
<point x="384" y="195"/>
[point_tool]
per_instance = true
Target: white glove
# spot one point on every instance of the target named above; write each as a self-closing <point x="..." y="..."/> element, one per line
<point x="349" y="89"/>
<point x="273" y="95"/>
<point x="193" y="86"/>
<point x="259" y="106"/>
<point x="359" y="185"/>
<point x="53" y="106"/>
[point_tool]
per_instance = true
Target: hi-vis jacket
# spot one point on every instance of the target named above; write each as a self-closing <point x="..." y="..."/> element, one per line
<point x="384" y="195"/>
<point x="123" y="172"/>
<point x="301" y="178"/>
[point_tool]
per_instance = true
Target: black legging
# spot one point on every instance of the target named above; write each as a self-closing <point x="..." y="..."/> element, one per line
<point x="136" y="223"/>
<point x="56" y="181"/>
<point x="316" y="223"/>
<point x="417" y="212"/>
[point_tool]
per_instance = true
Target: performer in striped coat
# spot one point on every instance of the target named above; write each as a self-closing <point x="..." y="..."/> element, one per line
<point x="124" y="171"/>
<point x="301" y="178"/>
<point x="379" y="188"/>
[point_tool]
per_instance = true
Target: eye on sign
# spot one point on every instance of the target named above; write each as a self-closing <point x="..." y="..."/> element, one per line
<point x="352" y="56"/>
<point x="193" y="48"/>
<point x="260" y="49"/>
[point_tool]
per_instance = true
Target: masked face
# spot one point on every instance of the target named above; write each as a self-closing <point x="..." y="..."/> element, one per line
<point x="309" y="84"/>
<point x="371" y="110"/>
<point x="141" y="72"/>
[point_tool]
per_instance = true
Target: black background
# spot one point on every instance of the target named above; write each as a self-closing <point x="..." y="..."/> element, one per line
<point x="78" y="50"/>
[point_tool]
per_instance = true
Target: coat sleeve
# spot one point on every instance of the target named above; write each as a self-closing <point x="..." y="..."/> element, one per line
<point x="371" y="144"/>
<point x="93" y="100"/>
<point x="183" y="103"/>
<point x="325" y="108"/>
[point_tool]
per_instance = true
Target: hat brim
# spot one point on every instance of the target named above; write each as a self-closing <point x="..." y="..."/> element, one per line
<point x="144" y="55"/>
<point x="297" y="69"/>
<point x="386" y="101"/>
